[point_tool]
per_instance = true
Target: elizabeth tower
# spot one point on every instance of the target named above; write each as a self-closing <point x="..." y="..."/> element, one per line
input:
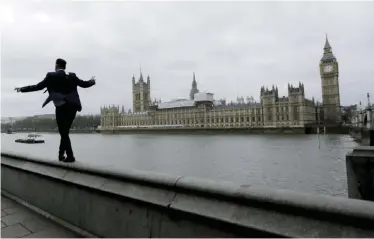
<point x="329" y="69"/>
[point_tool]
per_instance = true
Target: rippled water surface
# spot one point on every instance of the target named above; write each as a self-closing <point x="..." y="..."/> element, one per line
<point x="298" y="162"/>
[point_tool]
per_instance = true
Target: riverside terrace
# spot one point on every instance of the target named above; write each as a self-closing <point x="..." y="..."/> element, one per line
<point x="92" y="202"/>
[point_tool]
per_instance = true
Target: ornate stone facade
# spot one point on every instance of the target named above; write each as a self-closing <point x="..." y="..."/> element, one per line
<point x="200" y="110"/>
<point x="272" y="111"/>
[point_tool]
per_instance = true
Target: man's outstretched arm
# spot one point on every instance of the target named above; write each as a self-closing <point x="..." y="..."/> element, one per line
<point x="40" y="86"/>
<point x="85" y="84"/>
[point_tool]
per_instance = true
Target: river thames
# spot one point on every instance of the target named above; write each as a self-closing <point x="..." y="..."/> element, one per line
<point x="296" y="162"/>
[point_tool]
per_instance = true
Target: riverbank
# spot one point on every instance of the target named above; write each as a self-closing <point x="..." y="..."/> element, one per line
<point x="301" y="130"/>
<point x="54" y="131"/>
<point x="188" y="130"/>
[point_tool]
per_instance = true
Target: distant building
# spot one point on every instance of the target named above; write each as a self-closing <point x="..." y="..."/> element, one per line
<point x="201" y="110"/>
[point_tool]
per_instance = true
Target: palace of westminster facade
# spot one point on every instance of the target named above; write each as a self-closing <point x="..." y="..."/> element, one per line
<point x="201" y="110"/>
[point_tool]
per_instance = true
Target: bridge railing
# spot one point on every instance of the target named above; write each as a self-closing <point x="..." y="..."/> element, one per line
<point x="104" y="203"/>
<point x="364" y="118"/>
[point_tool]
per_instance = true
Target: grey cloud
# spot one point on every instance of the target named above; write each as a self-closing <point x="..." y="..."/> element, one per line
<point x="189" y="65"/>
<point x="234" y="48"/>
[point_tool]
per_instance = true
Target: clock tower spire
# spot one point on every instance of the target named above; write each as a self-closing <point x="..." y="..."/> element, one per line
<point x="329" y="70"/>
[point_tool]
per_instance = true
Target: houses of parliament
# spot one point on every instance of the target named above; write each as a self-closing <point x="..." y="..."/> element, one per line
<point x="202" y="110"/>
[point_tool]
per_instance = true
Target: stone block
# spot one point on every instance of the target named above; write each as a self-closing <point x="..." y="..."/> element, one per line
<point x="16" y="218"/>
<point x="5" y="203"/>
<point x="145" y="193"/>
<point x="52" y="233"/>
<point x="38" y="224"/>
<point x="87" y="180"/>
<point x="360" y="173"/>
<point x="13" y="210"/>
<point x="14" y="231"/>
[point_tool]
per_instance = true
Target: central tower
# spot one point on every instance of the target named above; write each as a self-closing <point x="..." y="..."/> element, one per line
<point x="329" y="70"/>
<point x="141" y="94"/>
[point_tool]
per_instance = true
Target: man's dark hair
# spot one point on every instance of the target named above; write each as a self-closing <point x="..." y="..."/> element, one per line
<point x="61" y="63"/>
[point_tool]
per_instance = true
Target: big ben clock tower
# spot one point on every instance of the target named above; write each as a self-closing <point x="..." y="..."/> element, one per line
<point x="329" y="69"/>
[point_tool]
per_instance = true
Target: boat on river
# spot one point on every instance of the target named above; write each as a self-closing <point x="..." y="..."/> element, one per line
<point x="31" y="139"/>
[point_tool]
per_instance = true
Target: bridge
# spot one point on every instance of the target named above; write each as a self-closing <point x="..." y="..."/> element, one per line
<point x="362" y="129"/>
<point x="77" y="200"/>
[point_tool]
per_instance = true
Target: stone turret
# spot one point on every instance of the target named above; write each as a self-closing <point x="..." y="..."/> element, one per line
<point x="141" y="93"/>
<point x="298" y="90"/>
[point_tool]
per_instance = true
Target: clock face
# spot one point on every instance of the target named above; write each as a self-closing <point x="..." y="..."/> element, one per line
<point x="328" y="68"/>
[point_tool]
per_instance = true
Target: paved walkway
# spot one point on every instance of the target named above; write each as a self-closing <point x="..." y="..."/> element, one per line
<point x="19" y="221"/>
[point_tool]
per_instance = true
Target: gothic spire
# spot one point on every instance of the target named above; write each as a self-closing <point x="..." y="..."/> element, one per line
<point x="194" y="89"/>
<point x="141" y="75"/>
<point x="327" y="44"/>
<point x="327" y="51"/>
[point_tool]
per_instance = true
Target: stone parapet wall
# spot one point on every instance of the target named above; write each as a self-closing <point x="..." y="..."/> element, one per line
<point x="145" y="204"/>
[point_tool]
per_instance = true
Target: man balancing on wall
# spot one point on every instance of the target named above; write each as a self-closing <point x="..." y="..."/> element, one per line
<point x="62" y="89"/>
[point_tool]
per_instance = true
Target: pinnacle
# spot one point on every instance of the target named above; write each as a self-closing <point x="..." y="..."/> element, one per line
<point x="327" y="44"/>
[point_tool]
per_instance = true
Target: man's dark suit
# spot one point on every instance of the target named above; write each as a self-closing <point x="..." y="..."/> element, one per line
<point x="62" y="89"/>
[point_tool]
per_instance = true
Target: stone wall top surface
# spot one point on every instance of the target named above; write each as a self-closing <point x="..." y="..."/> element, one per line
<point x="362" y="151"/>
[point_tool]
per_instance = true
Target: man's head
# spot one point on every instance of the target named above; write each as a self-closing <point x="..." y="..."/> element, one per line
<point x="60" y="64"/>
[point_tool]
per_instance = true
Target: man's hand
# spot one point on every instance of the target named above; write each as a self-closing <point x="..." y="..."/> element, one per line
<point x="18" y="89"/>
<point x="93" y="80"/>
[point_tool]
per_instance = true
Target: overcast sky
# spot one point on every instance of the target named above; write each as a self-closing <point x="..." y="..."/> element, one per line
<point x="234" y="48"/>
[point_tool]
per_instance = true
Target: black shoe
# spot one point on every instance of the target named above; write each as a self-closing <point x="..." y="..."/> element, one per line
<point x="61" y="158"/>
<point x="69" y="159"/>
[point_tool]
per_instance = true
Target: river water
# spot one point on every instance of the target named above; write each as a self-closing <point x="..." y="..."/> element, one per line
<point x="296" y="162"/>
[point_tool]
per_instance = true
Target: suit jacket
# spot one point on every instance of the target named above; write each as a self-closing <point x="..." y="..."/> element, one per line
<point x="62" y="88"/>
